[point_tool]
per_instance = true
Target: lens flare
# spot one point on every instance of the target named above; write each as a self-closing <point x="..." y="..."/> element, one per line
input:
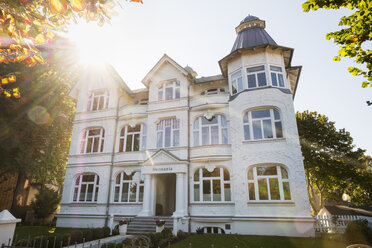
<point x="39" y="115"/>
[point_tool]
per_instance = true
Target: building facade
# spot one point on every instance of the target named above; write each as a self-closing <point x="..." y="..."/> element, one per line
<point x="219" y="152"/>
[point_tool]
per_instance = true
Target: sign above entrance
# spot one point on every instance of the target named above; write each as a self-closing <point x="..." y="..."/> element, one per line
<point x="161" y="169"/>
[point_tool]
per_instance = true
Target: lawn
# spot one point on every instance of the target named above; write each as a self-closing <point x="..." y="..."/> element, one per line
<point x="22" y="232"/>
<point x="240" y="241"/>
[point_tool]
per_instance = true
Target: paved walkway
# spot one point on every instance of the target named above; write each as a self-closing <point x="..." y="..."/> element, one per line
<point x="100" y="243"/>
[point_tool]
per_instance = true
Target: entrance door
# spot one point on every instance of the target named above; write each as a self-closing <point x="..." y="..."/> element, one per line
<point x="165" y="194"/>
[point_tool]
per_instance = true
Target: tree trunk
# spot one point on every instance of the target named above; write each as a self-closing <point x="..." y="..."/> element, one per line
<point x="18" y="190"/>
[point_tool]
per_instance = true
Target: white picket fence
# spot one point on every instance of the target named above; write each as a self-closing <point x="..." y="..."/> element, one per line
<point x="334" y="223"/>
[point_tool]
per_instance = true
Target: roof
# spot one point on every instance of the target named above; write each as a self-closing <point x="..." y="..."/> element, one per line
<point x="346" y="210"/>
<point x="249" y="18"/>
<point x="209" y="79"/>
<point x="252" y="37"/>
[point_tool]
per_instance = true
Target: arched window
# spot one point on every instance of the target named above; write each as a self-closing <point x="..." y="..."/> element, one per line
<point x="86" y="188"/>
<point x="98" y="99"/>
<point x="92" y="140"/>
<point x="168" y="91"/>
<point x="212" y="186"/>
<point x="262" y="124"/>
<point x="168" y="133"/>
<point x="133" y="138"/>
<point x="268" y="183"/>
<point x="210" y="132"/>
<point x="128" y="188"/>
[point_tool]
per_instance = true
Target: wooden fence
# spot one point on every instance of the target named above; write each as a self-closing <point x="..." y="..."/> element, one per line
<point x="334" y="223"/>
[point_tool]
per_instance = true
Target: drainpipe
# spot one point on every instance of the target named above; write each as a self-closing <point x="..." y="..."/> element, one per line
<point x="188" y="155"/>
<point x="112" y="162"/>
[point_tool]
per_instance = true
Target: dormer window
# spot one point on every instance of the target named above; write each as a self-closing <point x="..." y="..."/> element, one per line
<point x="277" y="78"/>
<point x="213" y="91"/>
<point x="98" y="100"/>
<point x="256" y="77"/>
<point x="236" y="82"/>
<point x="168" y="91"/>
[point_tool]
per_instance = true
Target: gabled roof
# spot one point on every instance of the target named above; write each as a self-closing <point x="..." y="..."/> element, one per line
<point x="165" y="59"/>
<point x="163" y="157"/>
<point x="346" y="210"/>
<point x="105" y="69"/>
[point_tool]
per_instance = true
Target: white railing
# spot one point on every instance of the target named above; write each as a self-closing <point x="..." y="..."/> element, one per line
<point x="334" y="223"/>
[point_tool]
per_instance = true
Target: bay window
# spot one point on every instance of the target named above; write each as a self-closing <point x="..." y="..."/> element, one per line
<point x="262" y="124"/>
<point x="268" y="183"/>
<point x="86" y="188"/>
<point x="256" y="76"/>
<point x="210" y="132"/>
<point x="212" y="186"/>
<point x="133" y="138"/>
<point x="128" y="188"/>
<point x="277" y="78"/>
<point x="237" y="82"/>
<point x="92" y="140"/>
<point x="168" y="133"/>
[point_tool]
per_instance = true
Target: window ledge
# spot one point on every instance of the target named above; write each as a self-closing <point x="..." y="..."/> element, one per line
<point x="271" y="203"/>
<point x="169" y="100"/>
<point x="205" y="146"/>
<point x="82" y="204"/>
<point x="126" y="203"/>
<point x="95" y="111"/>
<point x="89" y="154"/>
<point x="264" y="140"/>
<point x="212" y="203"/>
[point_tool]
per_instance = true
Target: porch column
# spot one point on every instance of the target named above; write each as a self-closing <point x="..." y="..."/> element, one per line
<point x="146" y="196"/>
<point x="180" y="195"/>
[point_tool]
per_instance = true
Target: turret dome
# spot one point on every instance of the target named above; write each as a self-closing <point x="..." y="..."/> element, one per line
<point x="251" y="33"/>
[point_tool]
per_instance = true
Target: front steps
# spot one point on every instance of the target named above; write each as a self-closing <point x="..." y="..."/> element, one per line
<point x="139" y="225"/>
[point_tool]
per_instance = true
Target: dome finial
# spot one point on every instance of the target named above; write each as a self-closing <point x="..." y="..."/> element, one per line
<point x="250" y="21"/>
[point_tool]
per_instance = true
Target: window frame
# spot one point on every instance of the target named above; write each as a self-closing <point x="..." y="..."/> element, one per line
<point x="124" y="138"/>
<point x="161" y="129"/>
<point x="85" y="140"/>
<point x="213" y="91"/>
<point x="248" y="121"/>
<point x="277" y="73"/>
<point x="93" y="95"/>
<point x="198" y="131"/>
<point x="176" y="90"/>
<point x="122" y="181"/>
<point x="236" y="82"/>
<point x="278" y="176"/>
<point x="200" y="184"/>
<point x="78" y="187"/>
<point x="255" y="73"/>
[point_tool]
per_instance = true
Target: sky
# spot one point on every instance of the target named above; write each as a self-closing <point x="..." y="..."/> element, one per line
<point x="200" y="33"/>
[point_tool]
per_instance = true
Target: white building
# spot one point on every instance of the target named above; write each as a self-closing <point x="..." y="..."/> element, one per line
<point x="219" y="152"/>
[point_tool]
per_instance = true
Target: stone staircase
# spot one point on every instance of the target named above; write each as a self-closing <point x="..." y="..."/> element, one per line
<point x="139" y="225"/>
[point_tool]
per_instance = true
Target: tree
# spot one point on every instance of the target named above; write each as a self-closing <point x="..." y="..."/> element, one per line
<point x="28" y="26"/>
<point x="355" y="36"/>
<point x="35" y="130"/>
<point x="46" y="203"/>
<point x="332" y="164"/>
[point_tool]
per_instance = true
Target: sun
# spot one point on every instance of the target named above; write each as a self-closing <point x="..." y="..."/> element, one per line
<point x="92" y="43"/>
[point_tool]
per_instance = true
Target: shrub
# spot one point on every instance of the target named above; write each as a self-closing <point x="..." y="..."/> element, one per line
<point x="127" y="242"/>
<point x="115" y="231"/>
<point x="98" y="233"/>
<point x="39" y="241"/>
<point x="87" y="234"/>
<point x="76" y="236"/>
<point x="106" y="231"/>
<point x="358" y="232"/>
<point x="109" y="245"/>
<point x="199" y="230"/>
<point x="181" y="234"/>
<point x="45" y="203"/>
<point x="166" y="234"/>
<point x="119" y="245"/>
<point x="65" y="238"/>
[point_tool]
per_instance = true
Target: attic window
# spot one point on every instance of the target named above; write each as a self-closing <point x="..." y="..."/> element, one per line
<point x="213" y="91"/>
<point x="168" y="91"/>
<point x="98" y="100"/>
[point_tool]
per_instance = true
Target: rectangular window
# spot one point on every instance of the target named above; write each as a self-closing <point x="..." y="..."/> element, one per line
<point x="274" y="189"/>
<point x="256" y="75"/>
<point x="251" y="191"/>
<point x="257" y="132"/>
<point x="206" y="190"/>
<point x="196" y="192"/>
<point x="262" y="189"/>
<point x="277" y="78"/>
